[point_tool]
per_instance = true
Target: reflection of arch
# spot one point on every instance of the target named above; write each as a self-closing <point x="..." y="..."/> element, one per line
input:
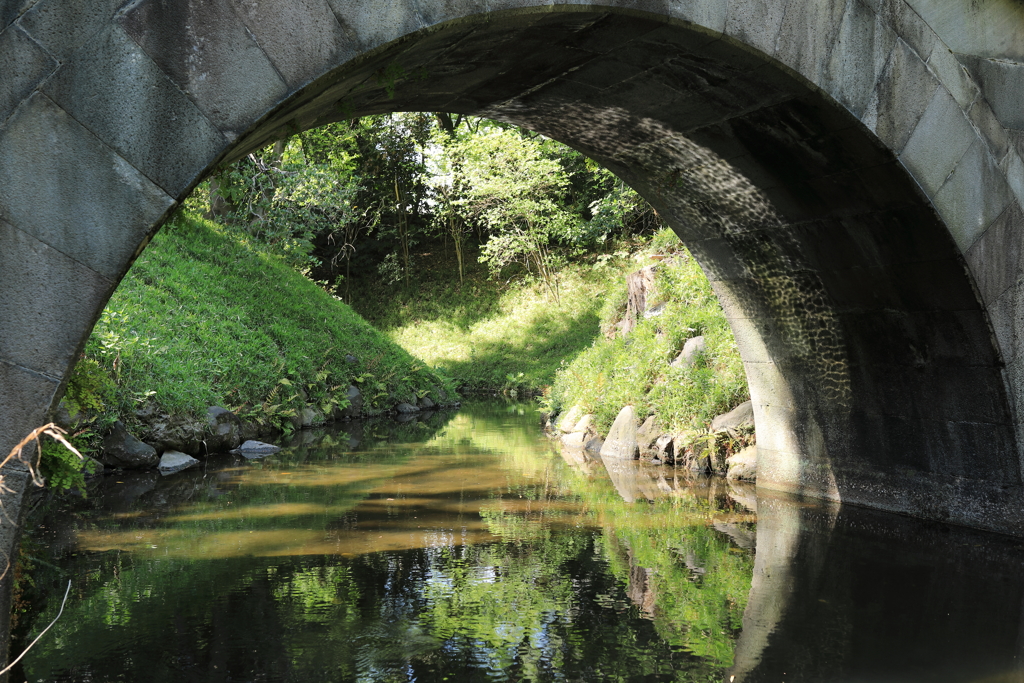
<point x="815" y="157"/>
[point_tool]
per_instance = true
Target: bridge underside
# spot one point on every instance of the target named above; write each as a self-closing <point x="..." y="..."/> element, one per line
<point x="872" y="363"/>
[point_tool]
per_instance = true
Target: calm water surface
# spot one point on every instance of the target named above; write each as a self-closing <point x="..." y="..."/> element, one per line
<point x="466" y="547"/>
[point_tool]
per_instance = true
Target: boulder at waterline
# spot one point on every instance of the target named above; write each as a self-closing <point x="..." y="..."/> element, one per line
<point x="585" y="424"/>
<point x="175" y="461"/>
<point x="121" y="449"/>
<point x="355" y="402"/>
<point x="621" y="440"/>
<point x="406" y="408"/>
<point x="739" y="417"/>
<point x="743" y="465"/>
<point x="426" y="404"/>
<point x="256" y="449"/>
<point x="567" y="422"/>
<point x="224" y="430"/>
<point x="310" y="417"/>
<point x="594" y="445"/>
<point x="574" y="440"/>
<point x="647" y="434"/>
<point x="175" y="433"/>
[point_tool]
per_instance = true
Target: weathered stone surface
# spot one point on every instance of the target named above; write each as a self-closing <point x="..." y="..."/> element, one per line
<point x="53" y="197"/>
<point x="63" y="26"/>
<point x="176" y="433"/>
<point x="743" y="465"/>
<point x="116" y="90"/>
<point x="574" y="440"/>
<point x="973" y="196"/>
<point x="40" y="285"/>
<point x="567" y="421"/>
<point x="621" y="440"/>
<point x="355" y="402"/>
<point x="25" y="397"/>
<point x="1002" y="84"/>
<point x="223" y="430"/>
<point x="900" y="98"/>
<point x="739" y="417"/>
<point x="121" y="449"/>
<point x="694" y="348"/>
<point x="175" y="461"/>
<point x="648" y="433"/>
<point x="27" y="64"/>
<point x="209" y="54"/>
<point x="585" y="424"/>
<point x="940" y="139"/>
<point x="311" y="417"/>
<point x="256" y="449"/>
<point x="426" y="404"/>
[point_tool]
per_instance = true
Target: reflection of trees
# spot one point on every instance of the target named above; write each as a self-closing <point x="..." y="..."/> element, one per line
<point x="550" y="591"/>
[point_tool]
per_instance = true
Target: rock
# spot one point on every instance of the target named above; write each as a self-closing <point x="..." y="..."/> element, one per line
<point x="176" y="434"/>
<point x="664" y="444"/>
<point x="121" y="449"/>
<point x="647" y="434"/>
<point x="585" y="424"/>
<point x="737" y="418"/>
<point x="594" y="445"/>
<point x="574" y="440"/>
<point x="743" y="465"/>
<point x="349" y="358"/>
<point x="693" y="349"/>
<point x="406" y="408"/>
<point x="655" y="311"/>
<point x="310" y="417"/>
<point x="256" y="449"/>
<point x="223" y="430"/>
<point x="175" y="461"/>
<point x="426" y="404"/>
<point x="355" y="402"/>
<point x="567" y="422"/>
<point x="621" y="440"/>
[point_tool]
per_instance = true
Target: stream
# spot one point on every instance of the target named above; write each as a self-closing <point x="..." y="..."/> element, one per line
<point x="466" y="546"/>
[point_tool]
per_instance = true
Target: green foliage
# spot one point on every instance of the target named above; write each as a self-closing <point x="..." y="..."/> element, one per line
<point x="90" y="388"/>
<point x="63" y="470"/>
<point x="204" y="318"/>
<point x="635" y="369"/>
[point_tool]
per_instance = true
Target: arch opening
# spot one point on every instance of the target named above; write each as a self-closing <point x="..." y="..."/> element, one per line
<point x="871" y="360"/>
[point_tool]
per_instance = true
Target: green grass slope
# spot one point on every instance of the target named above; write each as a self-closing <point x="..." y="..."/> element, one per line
<point x="204" y="318"/>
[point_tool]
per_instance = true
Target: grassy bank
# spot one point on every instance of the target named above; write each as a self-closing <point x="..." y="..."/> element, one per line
<point x="495" y="334"/>
<point x="636" y="369"/>
<point x="204" y="318"/>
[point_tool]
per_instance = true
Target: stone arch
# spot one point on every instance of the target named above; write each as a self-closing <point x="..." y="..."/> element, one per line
<point x="838" y="174"/>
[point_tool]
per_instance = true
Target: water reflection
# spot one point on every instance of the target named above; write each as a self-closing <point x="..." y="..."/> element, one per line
<point x="474" y="553"/>
<point x="468" y="548"/>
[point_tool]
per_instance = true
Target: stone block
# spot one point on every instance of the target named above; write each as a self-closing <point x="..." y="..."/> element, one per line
<point x="1013" y="169"/>
<point x="952" y="75"/>
<point x="858" y="56"/>
<point x="1002" y="85"/>
<point x="750" y="340"/>
<point x="809" y="31"/>
<point x="900" y="97"/>
<point x="25" y="397"/>
<point x="621" y="441"/>
<point x="940" y="139"/>
<point x="982" y="28"/>
<point x="1007" y="316"/>
<point x="119" y="93"/>
<point x="11" y="10"/>
<point x="303" y="38"/>
<point x="907" y="24"/>
<point x="376" y="22"/>
<point x="207" y="52"/>
<point x="756" y="23"/>
<point x="63" y="26"/>
<point x="26" y="65"/>
<point x="49" y="298"/>
<point x="973" y="196"/>
<point x="984" y="119"/>
<point x="996" y="259"/>
<point x="76" y="195"/>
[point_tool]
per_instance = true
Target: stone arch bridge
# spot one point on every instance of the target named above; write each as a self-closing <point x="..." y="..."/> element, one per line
<point x="848" y="172"/>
